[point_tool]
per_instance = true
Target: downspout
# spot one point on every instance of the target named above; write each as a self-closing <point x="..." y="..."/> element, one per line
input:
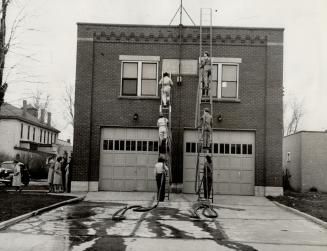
<point x="265" y="122"/>
<point x="91" y="122"/>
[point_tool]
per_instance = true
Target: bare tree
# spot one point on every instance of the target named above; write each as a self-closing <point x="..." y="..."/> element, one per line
<point x="40" y="100"/>
<point x="295" y="111"/>
<point x="69" y="104"/>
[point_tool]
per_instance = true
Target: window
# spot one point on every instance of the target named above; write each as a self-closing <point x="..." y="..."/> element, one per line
<point x="33" y="133"/>
<point x="229" y="81"/>
<point x="238" y="148"/>
<point x="21" y="130"/>
<point x="224" y="81"/>
<point x="139" y="79"/>
<point x="41" y="135"/>
<point x="215" y="148"/>
<point x="190" y="147"/>
<point x="48" y="137"/>
<point x="28" y="132"/>
<point x="51" y="138"/>
<point x="44" y="136"/>
<point x="55" y="137"/>
<point x="233" y="148"/>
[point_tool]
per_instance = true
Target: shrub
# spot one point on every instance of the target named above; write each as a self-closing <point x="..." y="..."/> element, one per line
<point x="313" y="189"/>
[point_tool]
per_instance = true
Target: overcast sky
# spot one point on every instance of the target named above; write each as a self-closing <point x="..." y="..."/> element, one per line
<point x="44" y="48"/>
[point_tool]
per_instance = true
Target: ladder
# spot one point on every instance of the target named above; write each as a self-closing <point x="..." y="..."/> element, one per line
<point x="166" y="111"/>
<point x="203" y="100"/>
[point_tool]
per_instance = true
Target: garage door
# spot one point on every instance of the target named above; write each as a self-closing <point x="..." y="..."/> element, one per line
<point x="233" y="162"/>
<point x="127" y="159"/>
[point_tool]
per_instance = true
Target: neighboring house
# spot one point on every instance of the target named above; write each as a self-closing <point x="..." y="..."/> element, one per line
<point x="305" y="158"/>
<point x="117" y="106"/>
<point x="22" y="132"/>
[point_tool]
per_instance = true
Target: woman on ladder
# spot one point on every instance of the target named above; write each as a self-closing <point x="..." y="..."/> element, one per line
<point x="160" y="170"/>
<point x="207" y="177"/>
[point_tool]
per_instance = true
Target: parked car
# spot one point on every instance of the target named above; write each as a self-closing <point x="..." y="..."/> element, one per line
<point x="7" y="173"/>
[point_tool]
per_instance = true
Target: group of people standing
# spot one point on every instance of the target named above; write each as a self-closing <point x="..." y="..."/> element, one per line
<point x="59" y="174"/>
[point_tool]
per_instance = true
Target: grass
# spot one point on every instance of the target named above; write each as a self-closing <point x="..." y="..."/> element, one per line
<point x="312" y="203"/>
<point x="14" y="204"/>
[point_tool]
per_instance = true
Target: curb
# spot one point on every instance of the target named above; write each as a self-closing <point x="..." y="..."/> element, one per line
<point x="17" y="219"/>
<point x="305" y="215"/>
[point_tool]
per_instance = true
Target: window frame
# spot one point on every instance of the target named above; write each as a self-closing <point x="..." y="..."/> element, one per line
<point x="139" y="77"/>
<point x="218" y="95"/>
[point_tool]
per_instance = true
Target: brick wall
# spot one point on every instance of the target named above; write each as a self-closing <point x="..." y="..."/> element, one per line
<point x="99" y="70"/>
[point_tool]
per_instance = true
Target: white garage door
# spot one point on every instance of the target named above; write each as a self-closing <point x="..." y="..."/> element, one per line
<point x="127" y="159"/>
<point x="233" y="162"/>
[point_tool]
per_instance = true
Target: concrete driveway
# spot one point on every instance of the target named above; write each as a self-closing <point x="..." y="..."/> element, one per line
<point x="244" y="223"/>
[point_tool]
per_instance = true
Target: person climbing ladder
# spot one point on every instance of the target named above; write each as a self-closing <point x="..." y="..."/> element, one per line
<point x="205" y="71"/>
<point x="166" y="84"/>
<point x="206" y="126"/>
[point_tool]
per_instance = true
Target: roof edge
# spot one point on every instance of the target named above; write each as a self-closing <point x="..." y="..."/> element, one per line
<point x="177" y="26"/>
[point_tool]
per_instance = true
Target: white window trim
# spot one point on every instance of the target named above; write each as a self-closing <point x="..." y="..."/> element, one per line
<point x="139" y="76"/>
<point x="219" y="84"/>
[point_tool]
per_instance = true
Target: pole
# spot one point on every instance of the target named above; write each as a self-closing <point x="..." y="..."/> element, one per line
<point x="3" y="49"/>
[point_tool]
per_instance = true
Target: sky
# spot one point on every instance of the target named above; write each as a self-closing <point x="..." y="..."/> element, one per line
<point x="43" y="52"/>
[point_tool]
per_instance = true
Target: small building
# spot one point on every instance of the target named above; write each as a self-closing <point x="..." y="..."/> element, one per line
<point x="305" y="159"/>
<point x="118" y="68"/>
<point x="23" y="132"/>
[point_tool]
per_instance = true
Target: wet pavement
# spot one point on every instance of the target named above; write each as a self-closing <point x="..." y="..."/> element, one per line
<point x="244" y="223"/>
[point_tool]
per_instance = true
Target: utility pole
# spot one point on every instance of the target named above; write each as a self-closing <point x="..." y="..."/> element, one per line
<point x="3" y="49"/>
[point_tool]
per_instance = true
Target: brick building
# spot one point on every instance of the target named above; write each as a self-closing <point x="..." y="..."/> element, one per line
<point x="117" y="105"/>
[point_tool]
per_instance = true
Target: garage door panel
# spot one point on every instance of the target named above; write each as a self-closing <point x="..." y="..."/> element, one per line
<point x="235" y="163"/>
<point x="221" y="188"/>
<point x="141" y="185"/>
<point x="189" y="161"/>
<point x="129" y="172"/>
<point x="247" y="189"/>
<point x="247" y="177"/>
<point x="151" y="175"/>
<point x="130" y="159"/>
<point x="107" y="158"/>
<point x="129" y="184"/>
<point x="223" y="176"/>
<point x="189" y="175"/>
<point x="118" y="185"/>
<point x="107" y="184"/>
<point x="141" y="172"/>
<point x="235" y="188"/>
<point x="118" y="172"/>
<point x="152" y="159"/>
<point x="235" y="176"/>
<point x="142" y="159"/>
<point x="247" y="163"/>
<point x="152" y="185"/>
<point x="223" y="162"/>
<point x="119" y="160"/>
<point x="107" y="172"/>
<point x="188" y="187"/>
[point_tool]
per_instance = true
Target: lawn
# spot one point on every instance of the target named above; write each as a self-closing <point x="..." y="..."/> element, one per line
<point x="14" y="204"/>
<point x="313" y="203"/>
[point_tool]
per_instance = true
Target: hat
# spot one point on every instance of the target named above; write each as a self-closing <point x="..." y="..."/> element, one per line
<point x="206" y="52"/>
<point x="206" y="109"/>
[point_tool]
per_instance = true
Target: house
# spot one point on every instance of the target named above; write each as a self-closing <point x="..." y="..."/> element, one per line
<point x="305" y="158"/>
<point x="117" y="106"/>
<point x="23" y="132"/>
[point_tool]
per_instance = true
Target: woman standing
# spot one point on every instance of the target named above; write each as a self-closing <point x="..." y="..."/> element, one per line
<point x="17" y="178"/>
<point x="51" y="164"/>
<point x="57" y="179"/>
<point x="160" y="170"/>
<point x="207" y="177"/>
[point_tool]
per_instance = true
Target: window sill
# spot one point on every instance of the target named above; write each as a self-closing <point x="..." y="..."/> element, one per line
<point x="226" y="100"/>
<point x="138" y="97"/>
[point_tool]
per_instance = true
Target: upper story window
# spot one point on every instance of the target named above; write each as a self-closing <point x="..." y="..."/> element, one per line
<point x="33" y="133"/>
<point x="21" y="130"/>
<point x="224" y="81"/>
<point x="28" y="132"/>
<point x="139" y="75"/>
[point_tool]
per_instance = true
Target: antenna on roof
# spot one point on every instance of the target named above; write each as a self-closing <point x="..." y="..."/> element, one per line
<point x="180" y="10"/>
